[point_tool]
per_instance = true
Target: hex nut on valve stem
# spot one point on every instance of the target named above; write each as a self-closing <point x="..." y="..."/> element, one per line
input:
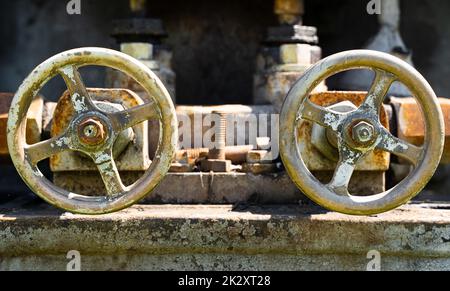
<point x="363" y="133"/>
<point x="91" y="132"/>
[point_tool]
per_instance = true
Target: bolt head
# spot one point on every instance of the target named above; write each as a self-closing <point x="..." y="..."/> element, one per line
<point x="91" y="132"/>
<point x="363" y="133"/>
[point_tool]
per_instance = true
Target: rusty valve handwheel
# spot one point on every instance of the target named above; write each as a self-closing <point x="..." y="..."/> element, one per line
<point x="92" y="131"/>
<point x="360" y="131"/>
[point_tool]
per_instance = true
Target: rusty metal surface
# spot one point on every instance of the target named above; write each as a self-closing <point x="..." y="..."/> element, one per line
<point x="135" y="156"/>
<point x="240" y="113"/>
<point x="34" y="121"/>
<point x="259" y="168"/>
<point x="289" y="7"/>
<point x="219" y="151"/>
<point x="411" y="126"/>
<point x="269" y="184"/>
<point x="335" y="195"/>
<point x="324" y="139"/>
<point x="216" y="166"/>
<point x="138" y="6"/>
<point x="216" y="161"/>
<point x="260" y="157"/>
<point x="191" y="156"/>
<point x="236" y="154"/>
<point x="181" y="168"/>
<point x="314" y="159"/>
<point x="119" y="196"/>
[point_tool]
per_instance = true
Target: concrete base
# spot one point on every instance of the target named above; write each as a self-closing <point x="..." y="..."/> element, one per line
<point x="414" y="237"/>
<point x="219" y="188"/>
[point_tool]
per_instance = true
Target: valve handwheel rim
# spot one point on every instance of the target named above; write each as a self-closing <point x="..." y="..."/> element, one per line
<point x="360" y="132"/>
<point x="92" y="131"/>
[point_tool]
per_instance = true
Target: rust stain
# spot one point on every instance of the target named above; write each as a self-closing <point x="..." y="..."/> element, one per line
<point x="64" y="113"/>
<point x="326" y="99"/>
<point x="411" y="125"/>
<point x="5" y="103"/>
<point x="376" y="160"/>
<point x="288" y="7"/>
<point x="71" y="201"/>
<point x="34" y="118"/>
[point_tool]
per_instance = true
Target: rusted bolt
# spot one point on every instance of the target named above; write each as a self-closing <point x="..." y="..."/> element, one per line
<point x="217" y="161"/>
<point x="363" y="133"/>
<point x="219" y="152"/>
<point x="138" y="6"/>
<point x="289" y="11"/>
<point x="91" y="132"/>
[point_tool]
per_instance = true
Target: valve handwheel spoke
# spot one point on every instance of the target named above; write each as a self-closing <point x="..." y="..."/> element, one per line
<point x="378" y="91"/>
<point x="400" y="148"/>
<point x="92" y="131"/>
<point x="348" y="159"/>
<point x="79" y="95"/>
<point x="360" y="132"/>
<point x="43" y="150"/>
<point x="133" y="116"/>
<point x="109" y="172"/>
<point x="320" y="115"/>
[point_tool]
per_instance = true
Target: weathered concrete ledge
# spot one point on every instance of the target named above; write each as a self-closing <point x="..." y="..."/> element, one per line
<point x="222" y="238"/>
